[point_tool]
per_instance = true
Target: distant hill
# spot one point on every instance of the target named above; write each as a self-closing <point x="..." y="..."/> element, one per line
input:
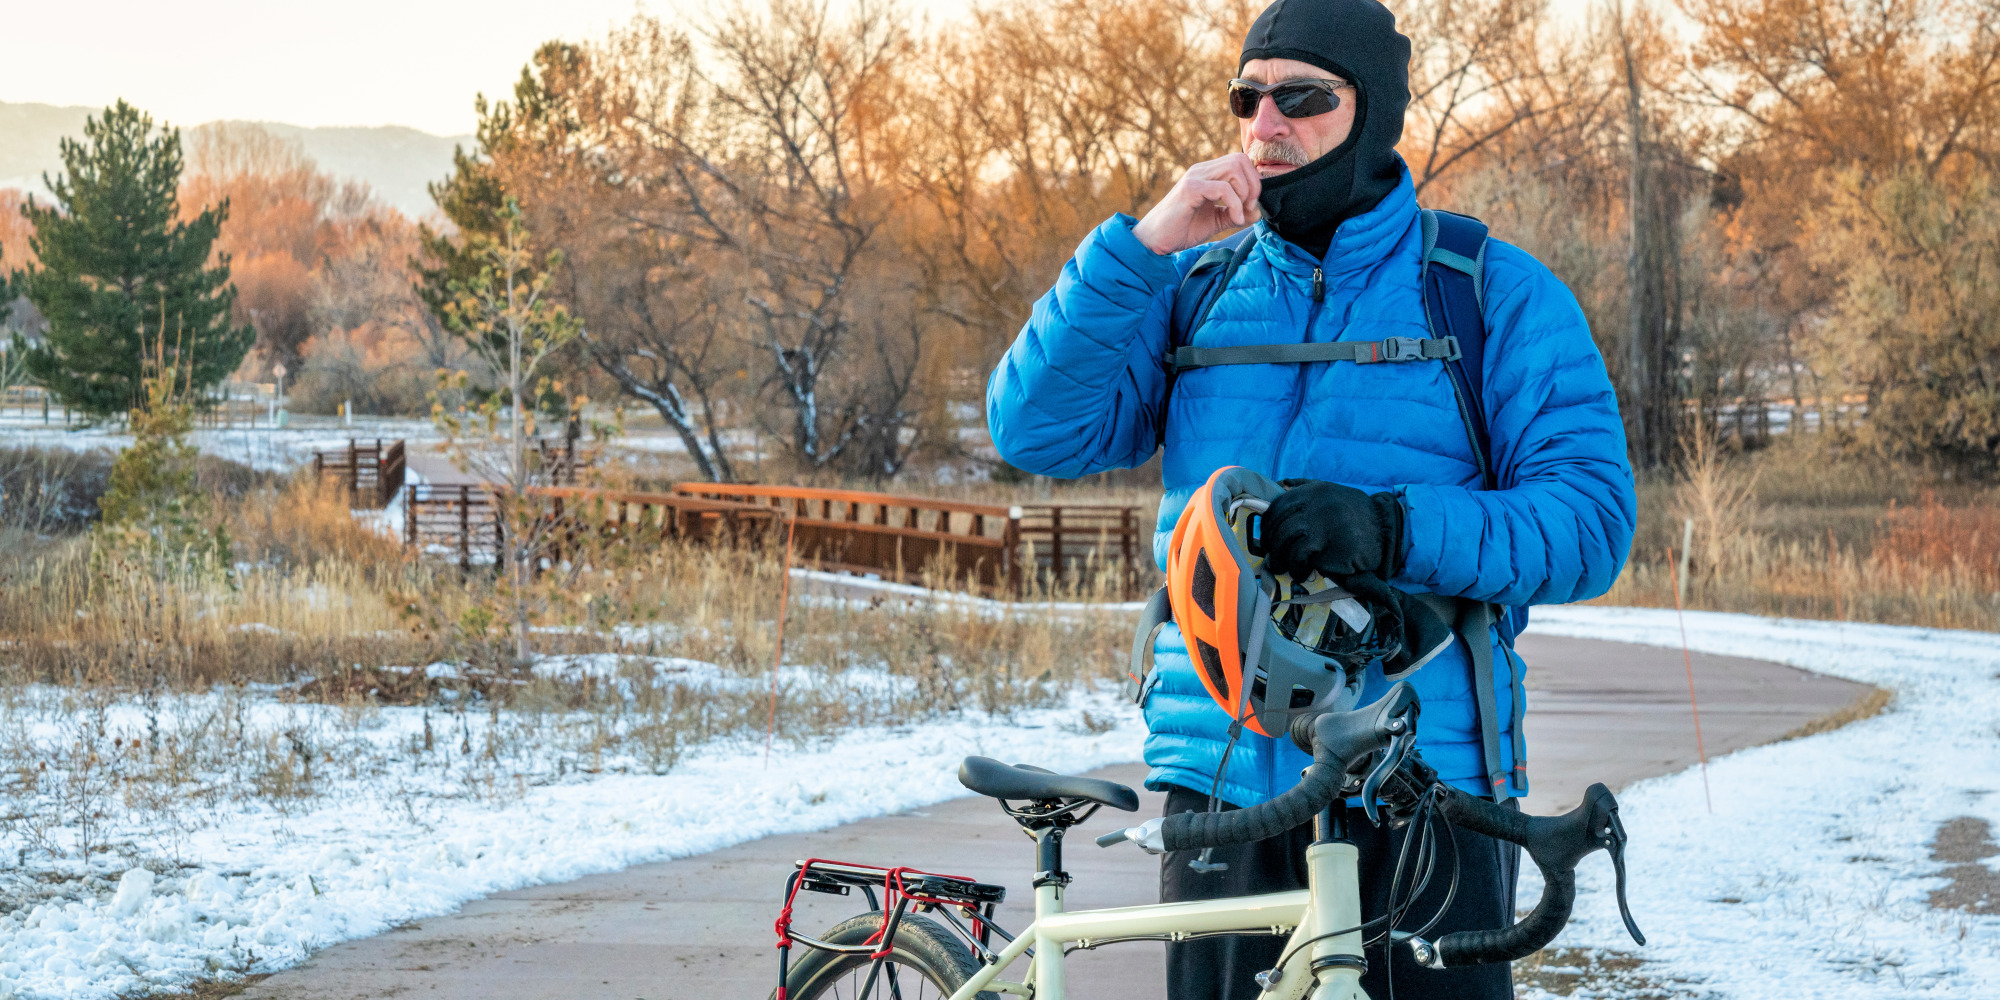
<point x="396" y="161"/>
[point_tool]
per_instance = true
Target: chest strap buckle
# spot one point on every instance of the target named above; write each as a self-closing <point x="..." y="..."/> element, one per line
<point x="1412" y="349"/>
<point x="1396" y="349"/>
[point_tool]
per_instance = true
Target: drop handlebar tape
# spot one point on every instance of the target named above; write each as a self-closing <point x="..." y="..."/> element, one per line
<point x="1557" y="844"/>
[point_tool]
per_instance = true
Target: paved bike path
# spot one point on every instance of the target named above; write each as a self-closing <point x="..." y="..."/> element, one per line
<point x="700" y="927"/>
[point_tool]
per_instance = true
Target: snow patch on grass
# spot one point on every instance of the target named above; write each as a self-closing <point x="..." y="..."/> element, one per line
<point x="1812" y="877"/>
<point x="266" y="886"/>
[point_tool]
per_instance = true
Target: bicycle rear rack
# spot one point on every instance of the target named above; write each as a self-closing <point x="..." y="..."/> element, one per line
<point x="901" y="888"/>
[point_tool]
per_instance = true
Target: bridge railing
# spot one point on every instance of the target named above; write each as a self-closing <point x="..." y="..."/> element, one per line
<point x="372" y="474"/>
<point x="1078" y="545"/>
<point x="1003" y="551"/>
<point x="894" y="537"/>
<point x="458" y="520"/>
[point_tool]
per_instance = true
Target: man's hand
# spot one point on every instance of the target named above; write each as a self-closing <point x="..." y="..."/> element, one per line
<point x="1334" y="529"/>
<point x="1212" y="196"/>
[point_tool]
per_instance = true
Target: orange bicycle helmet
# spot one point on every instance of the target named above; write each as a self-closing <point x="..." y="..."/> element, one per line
<point x="1265" y="647"/>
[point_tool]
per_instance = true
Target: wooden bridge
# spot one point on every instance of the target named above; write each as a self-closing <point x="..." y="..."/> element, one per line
<point x="372" y="474"/>
<point x="984" y="547"/>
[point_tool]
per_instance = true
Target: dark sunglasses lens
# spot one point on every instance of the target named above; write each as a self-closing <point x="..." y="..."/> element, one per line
<point x="1243" y="101"/>
<point x="1304" y="102"/>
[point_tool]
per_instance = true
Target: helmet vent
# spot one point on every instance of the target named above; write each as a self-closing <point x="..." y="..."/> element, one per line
<point x="1203" y="584"/>
<point x="1211" y="661"/>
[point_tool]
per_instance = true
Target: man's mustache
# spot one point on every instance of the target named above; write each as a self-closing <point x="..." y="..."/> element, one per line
<point x="1281" y="150"/>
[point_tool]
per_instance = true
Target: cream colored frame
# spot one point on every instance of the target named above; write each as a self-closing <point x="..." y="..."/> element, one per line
<point x="1331" y="900"/>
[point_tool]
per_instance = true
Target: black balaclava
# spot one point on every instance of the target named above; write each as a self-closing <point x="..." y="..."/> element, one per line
<point x="1358" y="41"/>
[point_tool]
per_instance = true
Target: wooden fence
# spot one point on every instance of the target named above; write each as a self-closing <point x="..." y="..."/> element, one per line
<point x="372" y="475"/>
<point x="894" y="537"/>
<point x="239" y="404"/>
<point x="1073" y="545"/>
<point x="985" y="547"/>
<point x="458" y="520"/>
<point x="626" y="517"/>
<point x="463" y="522"/>
<point x="31" y="402"/>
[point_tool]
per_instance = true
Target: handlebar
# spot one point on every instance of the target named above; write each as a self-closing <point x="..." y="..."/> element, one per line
<point x="1337" y="740"/>
<point x="1557" y="844"/>
<point x="1382" y="737"/>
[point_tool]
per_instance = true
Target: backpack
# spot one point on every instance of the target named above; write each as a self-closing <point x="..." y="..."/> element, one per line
<point x="1453" y="280"/>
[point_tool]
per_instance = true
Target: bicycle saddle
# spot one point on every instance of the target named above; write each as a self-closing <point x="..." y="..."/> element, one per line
<point x="1028" y="782"/>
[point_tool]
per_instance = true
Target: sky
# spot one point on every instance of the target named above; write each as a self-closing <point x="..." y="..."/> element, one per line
<point x="305" y="62"/>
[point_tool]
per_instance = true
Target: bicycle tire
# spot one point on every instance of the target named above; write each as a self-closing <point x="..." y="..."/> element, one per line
<point x="940" y="963"/>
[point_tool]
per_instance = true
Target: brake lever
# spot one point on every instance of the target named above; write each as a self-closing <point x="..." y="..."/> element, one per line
<point x="1392" y="758"/>
<point x="1613" y="839"/>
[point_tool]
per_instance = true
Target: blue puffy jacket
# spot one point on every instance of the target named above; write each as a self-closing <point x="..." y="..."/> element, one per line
<point x="1081" y="391"/>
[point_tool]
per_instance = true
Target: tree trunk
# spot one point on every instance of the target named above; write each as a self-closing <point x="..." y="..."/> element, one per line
<point x="517" y="473"/>
<point x="1637" y="383"/>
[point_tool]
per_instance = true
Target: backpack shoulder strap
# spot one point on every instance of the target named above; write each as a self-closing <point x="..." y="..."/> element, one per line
<point x="1454" y="284"/>
<point x="1203" y="284"/>
<point x="1455" y="297"/>
<point x="1195" y="299"/>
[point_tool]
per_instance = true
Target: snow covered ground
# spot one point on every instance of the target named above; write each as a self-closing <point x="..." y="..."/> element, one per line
<point x="1808" y="881"/>
<point x="261" y="448"/>
<point x="262" y="885"/>
<point x="1811" y="877"/>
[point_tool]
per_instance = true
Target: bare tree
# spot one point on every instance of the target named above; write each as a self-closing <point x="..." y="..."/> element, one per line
<point x="663" y="337"/>
<point x="1478" y="70"/>
<point x="1039" y="119"/>
<point x="798" y="195"/>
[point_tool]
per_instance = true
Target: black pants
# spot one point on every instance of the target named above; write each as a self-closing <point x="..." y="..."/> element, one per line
<point x="1221" y="968"/>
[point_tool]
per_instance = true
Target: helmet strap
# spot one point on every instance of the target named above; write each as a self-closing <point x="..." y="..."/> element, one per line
<point x="1253" y="655"/>
<point x="1201" y="863"/>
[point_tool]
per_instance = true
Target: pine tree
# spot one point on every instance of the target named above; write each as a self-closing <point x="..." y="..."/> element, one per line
<point x="118" y="266"/>
<point x="12" y="369"/>
<point x="474" y="199"/>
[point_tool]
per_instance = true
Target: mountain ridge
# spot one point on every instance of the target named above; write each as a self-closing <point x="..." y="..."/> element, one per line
<point x="395" y="160"/>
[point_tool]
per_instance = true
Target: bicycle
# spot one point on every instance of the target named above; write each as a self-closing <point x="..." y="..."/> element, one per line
<point x="1368" y="752"/>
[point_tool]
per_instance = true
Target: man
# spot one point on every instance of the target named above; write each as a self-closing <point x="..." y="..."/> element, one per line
<point x="1392" y="483"/>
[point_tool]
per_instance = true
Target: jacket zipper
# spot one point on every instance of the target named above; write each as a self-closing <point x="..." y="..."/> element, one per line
<point x="1299" y="377"/>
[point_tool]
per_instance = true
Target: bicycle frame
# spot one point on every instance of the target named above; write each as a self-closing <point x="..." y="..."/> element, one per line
<point x="1331" y="901"/>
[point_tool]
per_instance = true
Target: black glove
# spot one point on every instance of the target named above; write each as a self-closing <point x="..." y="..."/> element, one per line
<point x="1337" y="530"/>
<point x="1405" y="625"/>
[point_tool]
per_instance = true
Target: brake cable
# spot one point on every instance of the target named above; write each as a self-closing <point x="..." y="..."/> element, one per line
<point x="1422" y="829"/>
<point x="1201" y="863"/>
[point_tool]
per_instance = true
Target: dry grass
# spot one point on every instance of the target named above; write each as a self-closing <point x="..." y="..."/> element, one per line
<point x="311" y="589"/>
<point x="208" y="989"/>
<point x="1867" y="707"/>
<point x="1800" y="532"/>
<point x="331" y="612"/>
<point x="1568" y="972"/>
<point x="329" y="666"/>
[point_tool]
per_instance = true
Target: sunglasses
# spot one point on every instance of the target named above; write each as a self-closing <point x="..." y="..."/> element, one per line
<point x="1295" y="98"/>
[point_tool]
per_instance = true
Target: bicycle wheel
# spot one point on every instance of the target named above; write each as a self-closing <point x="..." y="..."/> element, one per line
<point x="926" y="963"/>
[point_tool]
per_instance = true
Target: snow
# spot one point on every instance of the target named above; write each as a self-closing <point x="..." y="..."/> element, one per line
<point x="1811" y="877"/>
<point x="262" y="448"/>
<point x="837" y="583"/>
<point x="700" y="677"/>
<point x="269" y="885"/>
